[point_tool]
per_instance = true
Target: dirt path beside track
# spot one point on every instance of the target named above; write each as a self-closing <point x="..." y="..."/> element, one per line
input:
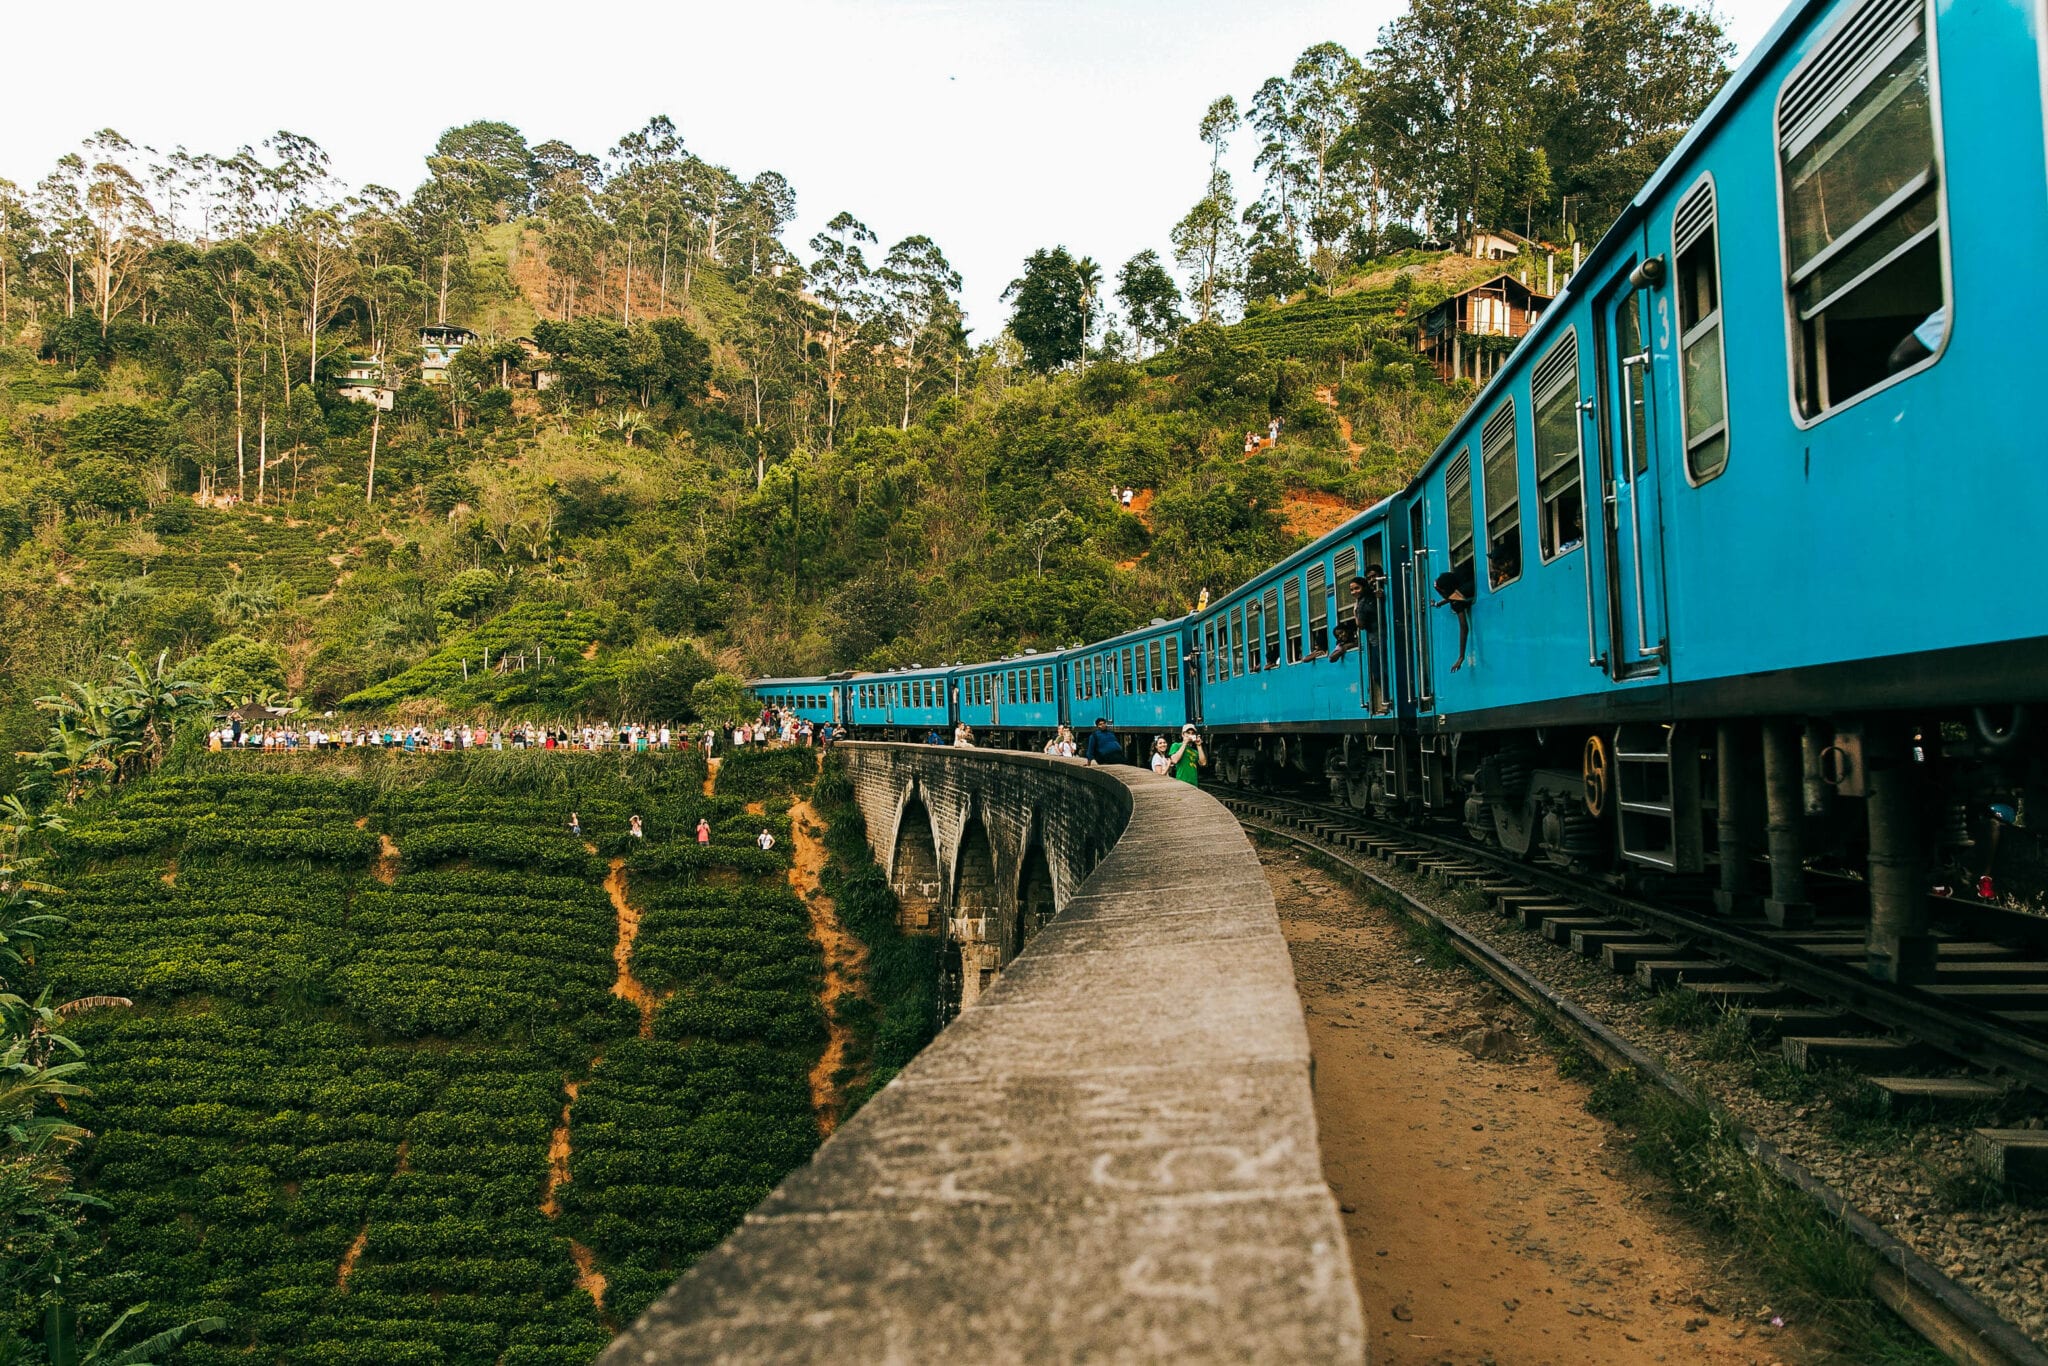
<point x="1491" y="1218"/>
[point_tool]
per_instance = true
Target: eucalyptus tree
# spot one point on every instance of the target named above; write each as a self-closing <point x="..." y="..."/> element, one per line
<point x="120" y="223"/>
<point x="844" y="284"/>
<point x="919" y="291"/>
<point x="1206" y="242"/>
<point x="1456" y="76"/>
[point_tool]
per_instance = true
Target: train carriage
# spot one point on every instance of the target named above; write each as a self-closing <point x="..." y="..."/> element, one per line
<point x="901" y="704"/>
<point x="1015" y="699"/>
<point x="817" y="700"/>
<point x="1288" y="670"/>
<point x="1140" y="681"/>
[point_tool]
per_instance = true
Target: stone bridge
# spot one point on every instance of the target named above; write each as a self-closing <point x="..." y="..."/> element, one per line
<point x="1110" y="1154"/>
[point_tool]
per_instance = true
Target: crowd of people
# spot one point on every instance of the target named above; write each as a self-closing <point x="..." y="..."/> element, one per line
<point x="774" y="726"/>
<point x="273" y="736"/>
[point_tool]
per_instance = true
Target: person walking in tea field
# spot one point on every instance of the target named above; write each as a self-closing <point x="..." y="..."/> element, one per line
<point x="765" y="840"/>
<point x="703" y="831"/>
<point x="633" y="828"/>
<point x="575" y="826"/>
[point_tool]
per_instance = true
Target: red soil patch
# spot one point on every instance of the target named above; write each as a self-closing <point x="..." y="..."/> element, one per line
<point x="628" y="987"/>
<point x="1310" y="514"/>
<point x="846" y="960"/>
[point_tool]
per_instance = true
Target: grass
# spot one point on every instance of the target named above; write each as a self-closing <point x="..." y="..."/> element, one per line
<point x="1824" y="1269"/>
<point x="1430" y="942"/>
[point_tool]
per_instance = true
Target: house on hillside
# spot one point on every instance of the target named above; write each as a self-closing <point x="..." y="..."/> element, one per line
<point x="1498" y="244"/>
<point x="362" y="381"/>
<point x="1468" y="335"/>
<point x="439" y="344"/>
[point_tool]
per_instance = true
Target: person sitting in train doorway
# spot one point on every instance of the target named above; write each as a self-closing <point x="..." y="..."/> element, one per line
<point x="1102" y="747"/>
<point x="1455" y="588"/>
<point x="1187" y="756"/>
<point x="1160" y="763"/>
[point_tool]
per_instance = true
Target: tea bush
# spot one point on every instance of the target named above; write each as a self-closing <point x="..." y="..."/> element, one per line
<point x="326" y="1067"/>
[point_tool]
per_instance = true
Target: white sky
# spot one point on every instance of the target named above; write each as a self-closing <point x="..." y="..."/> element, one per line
<point x="994" y="128"/>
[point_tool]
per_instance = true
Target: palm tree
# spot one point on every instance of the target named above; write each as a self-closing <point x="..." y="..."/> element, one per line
<point x="1089" y="275"/>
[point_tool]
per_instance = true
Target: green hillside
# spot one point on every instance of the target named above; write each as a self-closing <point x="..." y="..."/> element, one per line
<point x="373" y="998"/>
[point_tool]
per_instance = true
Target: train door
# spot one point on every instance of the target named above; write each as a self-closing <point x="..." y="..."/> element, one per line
<point x="1628" y="457"/>
<point x="1415" y="641"/>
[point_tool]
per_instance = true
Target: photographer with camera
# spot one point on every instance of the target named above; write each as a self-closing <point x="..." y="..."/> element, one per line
<point x="1184" y="758"/>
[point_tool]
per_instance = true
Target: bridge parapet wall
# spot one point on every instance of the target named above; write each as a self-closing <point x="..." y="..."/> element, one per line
<point x="1111" y="1154"/>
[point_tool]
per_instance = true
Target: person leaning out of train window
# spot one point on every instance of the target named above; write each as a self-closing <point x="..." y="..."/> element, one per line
<point x="1160" y="764"/>
<point x="1102" y="747"/>
<point x="1344" y="640"/>
<point x="1454" y="589"/>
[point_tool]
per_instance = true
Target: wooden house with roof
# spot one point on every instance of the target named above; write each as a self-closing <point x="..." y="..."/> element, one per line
<point x="1468" y="335"/>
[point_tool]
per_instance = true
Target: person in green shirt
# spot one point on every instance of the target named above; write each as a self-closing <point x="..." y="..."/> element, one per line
<point x="1184" y="758"/>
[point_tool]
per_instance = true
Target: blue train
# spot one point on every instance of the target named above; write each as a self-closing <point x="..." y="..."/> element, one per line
<point x="1725" y="571"/>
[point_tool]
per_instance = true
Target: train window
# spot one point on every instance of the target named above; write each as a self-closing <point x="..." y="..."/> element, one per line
<point x="1158" y="668"/>
<point x="1318" y="610"/>
<point x="1458" y="513"/>
<point x="1347" y="570"/>
<point x="1861" y="197"/>
<point x="1144" y="679"/>
<point x="1702" y="372"/>
<point x="1045" y="672"/>
<point x="1174" y="663"/>
<point x="1292" y="591"/>
<point x="1501" y="488"/>
<point x="1255" y="653"/>
<point x="1272" y="617"/>
<point x="1237" y="643"/>
<point x="1130" y="681"/>
<point x="1561" y="515"/>
<point x="1208" y="649"/>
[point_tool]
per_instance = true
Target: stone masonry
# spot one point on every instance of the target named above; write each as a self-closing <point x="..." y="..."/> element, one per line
<point x="1111" y="1156"/>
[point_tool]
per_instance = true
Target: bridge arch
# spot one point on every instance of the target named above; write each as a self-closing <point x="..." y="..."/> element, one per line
<point x="914" y="866"/>
<point x="1035" y="899"/>
<point x="977" y="921"/>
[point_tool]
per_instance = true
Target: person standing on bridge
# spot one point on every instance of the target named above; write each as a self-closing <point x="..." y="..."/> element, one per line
<point x="1184" y="758"/>
<point x="1103" y="747"/>
<point x="1160" y="763"/>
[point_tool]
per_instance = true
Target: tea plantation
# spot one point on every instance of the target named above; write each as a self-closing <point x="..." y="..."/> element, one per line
<point x="367" y="989"/>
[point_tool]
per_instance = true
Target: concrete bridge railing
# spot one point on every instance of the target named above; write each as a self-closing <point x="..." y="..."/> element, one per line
<point x="1110" y="1155"/>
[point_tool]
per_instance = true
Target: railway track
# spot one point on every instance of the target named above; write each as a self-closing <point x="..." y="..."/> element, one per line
<point x="1797" y="987"/>
<point x="1984" y="1020"/>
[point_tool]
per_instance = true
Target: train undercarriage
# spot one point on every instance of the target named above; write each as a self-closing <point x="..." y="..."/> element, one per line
<point x="1764" y="815"/>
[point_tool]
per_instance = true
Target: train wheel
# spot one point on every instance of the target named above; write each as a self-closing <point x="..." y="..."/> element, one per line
<point x="1597" y="771"/>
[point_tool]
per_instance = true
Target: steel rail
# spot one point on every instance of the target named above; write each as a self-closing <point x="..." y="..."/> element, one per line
<point x="1973" y="1035"/>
